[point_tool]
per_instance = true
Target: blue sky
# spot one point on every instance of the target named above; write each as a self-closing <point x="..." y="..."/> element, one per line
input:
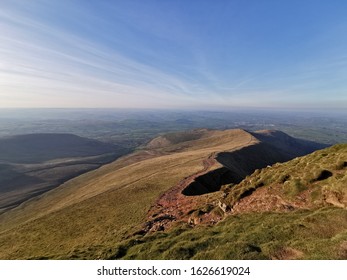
<point x="173" y="54"/>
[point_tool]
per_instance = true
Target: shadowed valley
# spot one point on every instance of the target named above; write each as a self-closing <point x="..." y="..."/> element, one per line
<point x="32" y="164"/>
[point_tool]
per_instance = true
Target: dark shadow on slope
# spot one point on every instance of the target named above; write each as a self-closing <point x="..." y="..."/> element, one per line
<point x="323" y="175"/>
<point x="241" y="163"/>
<point x="41" y="147"/>
<point x="287" y="144"/>
<point x="211" y="182"/>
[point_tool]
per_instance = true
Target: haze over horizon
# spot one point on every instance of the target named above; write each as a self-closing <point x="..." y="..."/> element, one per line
<point x="173" y="54"/>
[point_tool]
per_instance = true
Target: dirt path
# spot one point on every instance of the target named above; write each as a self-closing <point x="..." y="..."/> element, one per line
<point x="173" y="205"/>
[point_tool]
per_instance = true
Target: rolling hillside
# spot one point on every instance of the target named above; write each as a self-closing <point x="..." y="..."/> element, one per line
<point x="41" y="147"/>
<point x="143" y="194"/>
<point x="35" y="163"/>
<point x="293" y="210"/>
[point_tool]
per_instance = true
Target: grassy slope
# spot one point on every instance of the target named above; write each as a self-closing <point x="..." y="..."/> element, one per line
<point x="93" y="212"/>
<point x="319" y="234"/>
<point x="94" y="215"/>
<point x="313" y="229"/>
<point x="306" y="182"/>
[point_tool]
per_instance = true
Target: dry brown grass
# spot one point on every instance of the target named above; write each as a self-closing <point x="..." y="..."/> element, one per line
<point x="88" y="214"/>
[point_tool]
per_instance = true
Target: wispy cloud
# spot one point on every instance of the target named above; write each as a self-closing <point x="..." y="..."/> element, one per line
<point x="30" y="62"/>
<point x="108" y="54"/>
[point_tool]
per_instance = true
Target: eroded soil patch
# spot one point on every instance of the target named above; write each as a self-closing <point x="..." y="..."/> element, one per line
<point x="173" y="205"/>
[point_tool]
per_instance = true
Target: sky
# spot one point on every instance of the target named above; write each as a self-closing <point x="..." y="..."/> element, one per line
<point x="173" y="54"/>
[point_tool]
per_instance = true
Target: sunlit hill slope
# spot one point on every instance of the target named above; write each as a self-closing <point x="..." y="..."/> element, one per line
<point x="180" y="186"/>
<point x="293" y="210"/>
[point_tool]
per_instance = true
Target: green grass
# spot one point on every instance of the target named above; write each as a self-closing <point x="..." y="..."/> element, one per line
<point x="322" y="173"/>
<point x="318" y="234"/>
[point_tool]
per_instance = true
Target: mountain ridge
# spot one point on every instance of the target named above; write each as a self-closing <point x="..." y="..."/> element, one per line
<point x="291" y="210"/>
<point x="126" y="192"/>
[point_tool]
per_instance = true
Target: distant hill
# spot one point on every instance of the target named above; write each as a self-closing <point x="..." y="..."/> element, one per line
<point x="173" y="138"/>
<point x="173" y="184"/>
<point x="37" y="148"/>
<point x="35" y="163"/>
